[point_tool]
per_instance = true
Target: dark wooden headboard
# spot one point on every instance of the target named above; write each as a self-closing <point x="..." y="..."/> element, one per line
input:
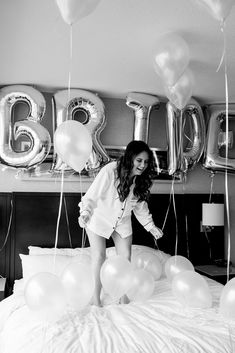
<point x="34" y="220"/>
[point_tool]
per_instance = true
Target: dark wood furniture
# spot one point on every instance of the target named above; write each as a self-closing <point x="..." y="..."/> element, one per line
<point x="215" y="272"/>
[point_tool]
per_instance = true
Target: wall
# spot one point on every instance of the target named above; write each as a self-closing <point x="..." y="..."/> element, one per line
<point x="118" y="132"/>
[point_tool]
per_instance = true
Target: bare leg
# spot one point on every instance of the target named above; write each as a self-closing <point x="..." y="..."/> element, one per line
<point x="123" y="248"/>
<point x="98" y="247"/>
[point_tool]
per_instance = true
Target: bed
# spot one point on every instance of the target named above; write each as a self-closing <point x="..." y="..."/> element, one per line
<point x="159" y="324"/>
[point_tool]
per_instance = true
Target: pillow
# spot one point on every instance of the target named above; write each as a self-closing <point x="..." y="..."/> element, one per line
<point x="37" y="250"/>
<point x="33" y="264"/>
<point x="136" y="249"/>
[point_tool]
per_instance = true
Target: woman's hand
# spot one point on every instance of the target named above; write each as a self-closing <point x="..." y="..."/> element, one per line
<point x="156" y="232"/>
<point x="83" y="219"/>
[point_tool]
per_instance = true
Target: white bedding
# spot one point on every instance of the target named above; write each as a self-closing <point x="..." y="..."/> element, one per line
<point x="161" y="324"/>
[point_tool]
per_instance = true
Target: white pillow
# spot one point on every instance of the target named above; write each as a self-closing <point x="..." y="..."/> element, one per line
<point x="37" y="250"/>
<point x="136" y="249"/>
<point x="33" y="264"/>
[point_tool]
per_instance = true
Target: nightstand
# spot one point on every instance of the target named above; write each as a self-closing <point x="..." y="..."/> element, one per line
<point x="2" y="288"/>
<point x="217" y="273"/>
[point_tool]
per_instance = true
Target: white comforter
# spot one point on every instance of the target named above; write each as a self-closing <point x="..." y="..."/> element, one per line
<point x="160" y="324"/>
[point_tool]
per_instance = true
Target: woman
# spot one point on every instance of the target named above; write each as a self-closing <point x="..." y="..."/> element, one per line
<point x="105" y="210"/>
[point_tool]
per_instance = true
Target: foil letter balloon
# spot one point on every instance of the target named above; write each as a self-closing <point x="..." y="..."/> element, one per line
<point x="142" y="104"/>
<point x="93" y="108"/>
<point x="213" y="160"/>
<point x="73" y="10"/>
<point x="29" y="128"/>
<point x="186" y="136"/>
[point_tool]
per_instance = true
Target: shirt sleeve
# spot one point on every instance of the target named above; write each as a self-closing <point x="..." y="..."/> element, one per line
<point x="96" y="190"/>
<point x="141" y="211"/>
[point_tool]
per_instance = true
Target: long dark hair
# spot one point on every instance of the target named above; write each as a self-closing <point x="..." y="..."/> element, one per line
<point x="125" y="164"/>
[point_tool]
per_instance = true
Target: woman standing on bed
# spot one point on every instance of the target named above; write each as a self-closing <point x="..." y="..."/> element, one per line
<point x="119" y="188"/>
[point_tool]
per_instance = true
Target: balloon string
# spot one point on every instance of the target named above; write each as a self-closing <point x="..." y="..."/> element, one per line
<point x="59" y="216"/>
<point x="226" y="163"/>
<point x="70" y="66"/>
<point x="224" y="47"/>
<point x="9" y="227"/>
<point x="176" y="223"/>
<point x="168" y="208"/>
<point x="83" y="229"/>
<point x="67" y="222"/>
<point x="211" y="187"/>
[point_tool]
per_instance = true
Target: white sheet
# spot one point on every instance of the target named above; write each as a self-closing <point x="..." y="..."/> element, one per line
<point x="160" y="324"/>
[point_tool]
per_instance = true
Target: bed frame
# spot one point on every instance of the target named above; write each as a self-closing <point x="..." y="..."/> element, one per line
<point x="35" y="215"/>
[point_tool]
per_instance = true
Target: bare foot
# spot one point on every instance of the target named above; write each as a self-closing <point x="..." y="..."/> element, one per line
<point x="96" y="302"/>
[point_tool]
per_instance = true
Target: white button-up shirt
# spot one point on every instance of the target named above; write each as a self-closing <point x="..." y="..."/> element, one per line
<point x="107" y="212"/>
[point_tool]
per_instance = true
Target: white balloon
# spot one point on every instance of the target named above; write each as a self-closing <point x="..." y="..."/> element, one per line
<point x="78" y="283"/>
<point x="176" y="264"/>
<point x="192" y="290"/>
<point x="45" y="296"/>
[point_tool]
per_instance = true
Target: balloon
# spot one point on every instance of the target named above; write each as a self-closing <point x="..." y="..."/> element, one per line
<point x="115" y="275"/>
<point x="149" y="262"/>
<point x="219" y="9"/>
<point x="174" y="137"/>
<point x="45" y="296"/>
<point x="78" y="283"/>
<point x="93" y="108"/>
<point x="227" y="300"/>
<point x="171" y="57"/>
<point x="73" y="143"/>
<point x="192" y="290"/>
<point x="73" y="10"/>
<point x="177" y="264"/>
<point x="179" y="157"/>
<point x="212" y="159"/>
<point x="29" y="128"/>
<point x="193" y="113"/>
<point x="180" y="93"/>
<point x="142" y="104"/>
<point x="141" y="285"/>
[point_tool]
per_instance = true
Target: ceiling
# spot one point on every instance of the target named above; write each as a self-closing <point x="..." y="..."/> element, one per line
<point x="112" y="48"/>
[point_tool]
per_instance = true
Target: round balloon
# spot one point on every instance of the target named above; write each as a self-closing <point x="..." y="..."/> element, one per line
<point x="45" y="297"/>
<point x="78" y="283"/>
<point x="180" y="93"/>
<point x="227" y="300"/>
<point x="148" y="262"/>
<point x="171" y="57"/>
<point x="73" y="10"/>
<point x="176" y="264"/>
<point x="192" y="290"/>
<point x="93" y="112"/>
<point x="115" y="276"/>
<point x="73" y="143"/>
<point x="219" y="9"/>
<point x="141" y="285"/>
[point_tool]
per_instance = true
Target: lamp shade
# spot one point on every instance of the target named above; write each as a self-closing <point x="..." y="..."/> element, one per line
<point x="212" y="214"/>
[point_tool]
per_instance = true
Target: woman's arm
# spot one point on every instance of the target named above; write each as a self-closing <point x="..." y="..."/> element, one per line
<point x="143" y="215"/>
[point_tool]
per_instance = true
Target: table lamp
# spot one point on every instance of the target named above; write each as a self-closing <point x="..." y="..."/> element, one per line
<point x="212" y="216"/>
